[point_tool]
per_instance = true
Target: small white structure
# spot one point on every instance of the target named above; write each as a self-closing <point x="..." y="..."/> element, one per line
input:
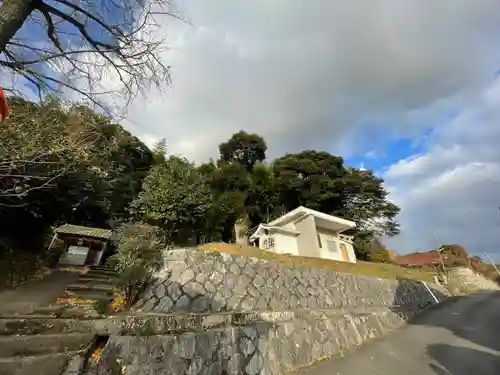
<point x="307" y="232"/>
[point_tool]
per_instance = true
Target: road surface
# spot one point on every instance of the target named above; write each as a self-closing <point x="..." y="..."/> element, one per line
<point x="461" y="337"/>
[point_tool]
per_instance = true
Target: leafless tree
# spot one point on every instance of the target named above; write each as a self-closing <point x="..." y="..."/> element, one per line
<point x="73" y="45"/>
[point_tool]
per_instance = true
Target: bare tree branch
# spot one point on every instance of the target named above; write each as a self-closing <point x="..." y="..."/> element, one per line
<point x="85" y="43"/>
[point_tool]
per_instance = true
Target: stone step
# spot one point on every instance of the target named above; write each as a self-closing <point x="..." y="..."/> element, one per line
<point x="29" y="345"/>
<point x="88" y="294"/>
<point x="46" y="364"/>
<point x="99" y="278"/>
<point x="101" y="272"/>
<point x="97" y="287"/>
<point x="66" y="267"/>
<point x="27" y="316"/>
<point x="105" y="281"/>
<point x="34" y="326"/>
<point x="68" y="311"/>
<point x="102" y="267"/>
<point x="52" y="310"/>
<point x="83" y="311"/>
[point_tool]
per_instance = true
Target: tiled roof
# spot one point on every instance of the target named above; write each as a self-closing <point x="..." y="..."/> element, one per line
<point x="419" y="259"/>
<point x="84" y="231"/>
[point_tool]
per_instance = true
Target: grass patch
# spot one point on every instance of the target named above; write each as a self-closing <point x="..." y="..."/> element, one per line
<point x="381" y="270"/>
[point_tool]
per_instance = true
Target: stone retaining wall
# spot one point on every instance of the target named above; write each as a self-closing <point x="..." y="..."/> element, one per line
<point x="249" y="316"/>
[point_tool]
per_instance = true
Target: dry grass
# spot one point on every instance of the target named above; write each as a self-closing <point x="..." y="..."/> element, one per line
<point x="381" y="270"/>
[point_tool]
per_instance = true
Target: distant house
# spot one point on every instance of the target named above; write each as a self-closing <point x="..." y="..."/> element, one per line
<point x="429" y="259"/>
<point x="81" y="245"/>
<point x="307" y="232"/>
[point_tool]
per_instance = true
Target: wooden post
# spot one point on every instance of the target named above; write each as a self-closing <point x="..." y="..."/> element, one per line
<point x="52" y="242"/>
<point x="99" y="257"/>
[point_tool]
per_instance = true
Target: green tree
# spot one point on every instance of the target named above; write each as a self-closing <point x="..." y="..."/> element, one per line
<point x="312" y="179"/>
<point x="175" y="197"/>
<point x="207" y="169"/>
<point x="64" y="164"/>
<point x="229" y="184"/>
<point x="139" y="254"/>
<point x="160" y="151"/>
<point x="262" y="200"/>
<point x="364" y="200"/>
<point x="369" y="248"/>
<point x="320" y="181"/>
<point x="243" y="148"/>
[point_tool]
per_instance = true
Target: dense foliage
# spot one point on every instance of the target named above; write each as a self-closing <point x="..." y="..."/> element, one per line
<point x="64" y="164"/>
<point x="175" y="198"/>
<point x="138" y="255"/>
<point x="69" y="164"/>
<point x="201" y="204"/>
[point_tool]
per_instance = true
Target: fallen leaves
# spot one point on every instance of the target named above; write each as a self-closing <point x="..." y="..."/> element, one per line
<point x="74" y="300"/>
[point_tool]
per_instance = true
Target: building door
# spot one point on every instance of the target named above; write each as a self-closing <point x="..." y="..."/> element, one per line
<point x="76" y="255"/>
<point x="345" y="252"/>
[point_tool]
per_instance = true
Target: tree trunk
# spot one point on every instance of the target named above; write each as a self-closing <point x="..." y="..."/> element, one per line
<point x="13" y="13"/>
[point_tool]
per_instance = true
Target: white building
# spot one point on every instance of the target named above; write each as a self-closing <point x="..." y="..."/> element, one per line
<point x="307" y="232"/>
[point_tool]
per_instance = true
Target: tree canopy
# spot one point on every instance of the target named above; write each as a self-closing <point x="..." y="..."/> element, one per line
<point x="174" y="197"/>
<point x="243" y="148"/>
<point x="65" y="164"/>
<point x="239" y="186"/>
<point x="70" y="164"/>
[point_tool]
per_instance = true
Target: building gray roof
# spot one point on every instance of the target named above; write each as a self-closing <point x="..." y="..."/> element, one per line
<point x="84" y="231"/>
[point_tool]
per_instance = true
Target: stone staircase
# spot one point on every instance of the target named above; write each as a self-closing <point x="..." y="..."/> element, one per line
<point x="57" y="338"/>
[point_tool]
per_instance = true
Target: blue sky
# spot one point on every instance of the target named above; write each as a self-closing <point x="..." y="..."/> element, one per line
<point x="409" y="89"/>
<point x="390" y="151"/>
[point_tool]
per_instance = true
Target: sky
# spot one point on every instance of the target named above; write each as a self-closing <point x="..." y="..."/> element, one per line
<point x="407" y="88"/>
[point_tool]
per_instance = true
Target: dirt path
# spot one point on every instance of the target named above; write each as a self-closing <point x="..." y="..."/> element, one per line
<point x="23" y="299"/>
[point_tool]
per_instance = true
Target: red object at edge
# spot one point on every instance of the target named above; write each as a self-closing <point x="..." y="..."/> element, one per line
<point x="4" y="108"/>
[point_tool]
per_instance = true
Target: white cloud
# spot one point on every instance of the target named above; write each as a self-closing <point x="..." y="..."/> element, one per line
<point x="453" y="188"/>
<point x="309" y="75"/>
<point x="342" y="75"/>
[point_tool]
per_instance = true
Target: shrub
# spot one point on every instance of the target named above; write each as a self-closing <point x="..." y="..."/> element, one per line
<point x="17" y="267"/>
<point x="139" y="254"/>
<point x="371" y="249"/>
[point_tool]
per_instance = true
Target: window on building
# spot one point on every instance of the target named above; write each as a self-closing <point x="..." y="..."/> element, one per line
<point x="268" y="243"/>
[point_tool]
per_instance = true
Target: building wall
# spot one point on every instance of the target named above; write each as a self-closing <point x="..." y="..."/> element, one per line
<point x="264" y="243"/>
<point x="286" y="243"/>
<point x="290" y="225"/>
<point x="307" y="240"/>
<point x="327" y="252"/>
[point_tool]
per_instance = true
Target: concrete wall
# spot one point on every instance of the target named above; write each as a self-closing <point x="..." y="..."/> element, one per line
<point x="214" y="313"/>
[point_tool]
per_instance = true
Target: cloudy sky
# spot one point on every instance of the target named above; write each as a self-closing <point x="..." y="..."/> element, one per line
<point x="408" y="88"/>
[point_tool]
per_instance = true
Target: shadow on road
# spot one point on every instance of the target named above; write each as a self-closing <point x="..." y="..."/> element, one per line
<point x="473" y="318"/>
<point x="455" y="360"/>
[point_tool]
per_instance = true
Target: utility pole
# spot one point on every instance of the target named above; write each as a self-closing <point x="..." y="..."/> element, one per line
<point x="493" y="264"/>
<point x="439" y="252"/>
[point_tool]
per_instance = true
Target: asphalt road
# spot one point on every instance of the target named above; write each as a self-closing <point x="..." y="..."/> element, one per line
<point x="458" y="338"/>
